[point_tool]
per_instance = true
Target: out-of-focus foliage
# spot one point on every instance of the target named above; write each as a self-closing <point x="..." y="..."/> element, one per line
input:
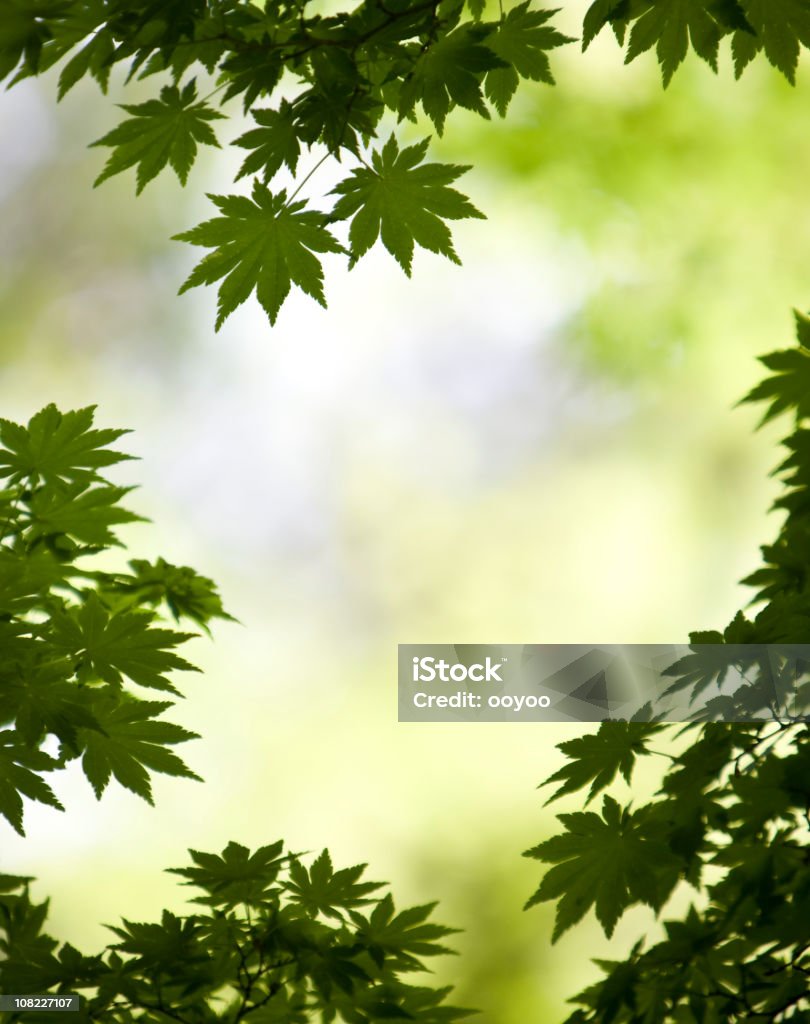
<point x="277" y="943"/>
<point x="661" y="218"/>
<point x="75" y="638"/>
<point x="731" y="817"/>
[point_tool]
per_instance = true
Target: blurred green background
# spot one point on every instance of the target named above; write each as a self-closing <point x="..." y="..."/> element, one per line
<point x="537" y="447"/>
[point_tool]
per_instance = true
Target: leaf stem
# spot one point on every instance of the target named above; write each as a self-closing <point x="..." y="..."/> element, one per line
<point x="306" y="178"/>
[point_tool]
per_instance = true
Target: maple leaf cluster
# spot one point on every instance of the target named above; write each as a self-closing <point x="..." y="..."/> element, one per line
<point x="730" y="818"/>
<point x="779" y="28"/>
<point x="80" y="644"/>
<point x="347" y="79"/>
<point x="275" y="941"/>
<point x="278" y="941"/>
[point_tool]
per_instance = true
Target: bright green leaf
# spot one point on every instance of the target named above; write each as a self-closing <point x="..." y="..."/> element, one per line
<point x="267" y="244"/>
<point x="19" y="768"/>
<point x="131" y="745"/>
<point x="320" y="889"/>
<point x="781" y="27"/>
<point x="57" y="446"/>
<point x="449" y="74"/>
<point x="670" y="25"/>
<point x="127" y="643"/>
<point x="273" y="143"/>
<point x="162" y="131"/>
<point x="608" y="862"/>
<point x="402" y="201"/>
<point x="596" y="759"/>
<point x="521" y="40"/>
<point x="237" y="876"/>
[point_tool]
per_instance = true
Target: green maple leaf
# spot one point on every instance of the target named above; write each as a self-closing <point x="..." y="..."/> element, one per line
<point x="521" y="39"/>
<point x="785" y="562"/>
<point x="780" y="26"/>
<point x="796" y="468"/>
<point x="669" y="25"/>
<point x="252" y="72"/>
<point x="597" y="759"/>
<point x="266" y="243"/>
<point x="709" y="661"/>
<point x="608" y="863"/>
<point x="95" y="58"/>
<point x="25" y="577"/>
<point x="335" y="116"/>
<point x="273" y="143"/>
<point x="404" y="936"/>
<point x="187" y="593"/>
<point x="174" y="941"/>
<point x="85" y="515"/>
<point x="23" y="31"/>
<point x="47" y="703"/>
<point x="162" y="131"/>
<point x="57" y="446"/>
<point x="449" y="74"/>
<point x="33" y="967"/>
<point x="18" y="777"/>
<point x="789" y="387"/>
<point x="323" y="890"/>
<point x="762" y="796"/>
<point x="402" y="203"/>
<point x="81" y="25"/>
<point x="108" y="647"/>
<point x="601" y="13"/>
<point x="129" y="742"/>
<point x="236" y="876"/>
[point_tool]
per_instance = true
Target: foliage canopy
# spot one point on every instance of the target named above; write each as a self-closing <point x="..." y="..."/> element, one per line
<point x="337" y="84"/>
<point x="274" y="942"/>
<point x="278" y="941"/>
<point x="732" y="814"/>
<point x="76" y="639"/>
